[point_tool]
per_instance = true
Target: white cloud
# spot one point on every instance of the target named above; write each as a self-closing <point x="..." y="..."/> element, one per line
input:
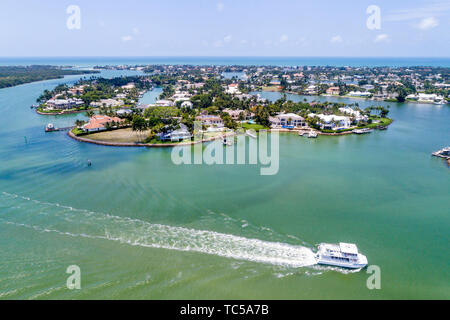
<point x="284" y="38"/>
<point x="101" y="23"/>
<point x="127" y="38"/>
<point x="428" y="23"/>
<point x="136" y="30"/>
<point x="221" y="43"/>
<point x="382" y="38"/>
<point x="220" y="7"/>
<point x="243" y="41"/>
<point x="336" y="39"/>
<point x="419" y="13"/>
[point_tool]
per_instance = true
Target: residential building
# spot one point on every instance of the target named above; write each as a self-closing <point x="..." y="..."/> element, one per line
<point x="210" y="120"/>
<point x="287" y="120"/>
<point x="98" y="123"/>
<point x="333" y="90"/>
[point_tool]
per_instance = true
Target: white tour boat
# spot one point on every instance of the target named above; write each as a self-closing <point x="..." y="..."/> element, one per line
<point x="344" y="255"/>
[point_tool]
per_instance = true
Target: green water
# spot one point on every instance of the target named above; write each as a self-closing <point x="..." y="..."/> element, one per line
<point x="140" y="227"/>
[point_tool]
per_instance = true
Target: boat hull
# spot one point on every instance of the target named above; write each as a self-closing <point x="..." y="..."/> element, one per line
<point x="341" y="265"/>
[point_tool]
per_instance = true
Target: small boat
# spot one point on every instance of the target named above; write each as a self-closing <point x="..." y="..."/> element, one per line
<point x="362" y="131"/>
<point x="312" y="134"/>
<point x="439" y="101"/>
<point x="250" y="134"/>
<point x="50" y="127"/>
<point x="344" y="255"/>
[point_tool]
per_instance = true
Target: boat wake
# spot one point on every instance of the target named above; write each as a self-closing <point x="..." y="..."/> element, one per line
<point x="67" y="221"/>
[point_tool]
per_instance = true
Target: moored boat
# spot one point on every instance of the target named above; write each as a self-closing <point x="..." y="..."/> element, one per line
<point x="50" y="127"/>
<point x="362" y="131"/>
<point x="250" y="134"/>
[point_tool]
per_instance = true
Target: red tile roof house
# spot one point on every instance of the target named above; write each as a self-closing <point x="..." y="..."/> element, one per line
<point x="98" y="123"/>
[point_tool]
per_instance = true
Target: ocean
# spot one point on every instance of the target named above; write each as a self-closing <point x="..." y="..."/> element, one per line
<point x="272" y="61"/>
<point x="140" y="227"/>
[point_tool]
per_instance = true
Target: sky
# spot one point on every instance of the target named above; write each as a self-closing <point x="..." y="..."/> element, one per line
<point x="403" y="28"/>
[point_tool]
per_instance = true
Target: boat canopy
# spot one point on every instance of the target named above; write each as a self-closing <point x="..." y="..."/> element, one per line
<point x="348" y="248"/>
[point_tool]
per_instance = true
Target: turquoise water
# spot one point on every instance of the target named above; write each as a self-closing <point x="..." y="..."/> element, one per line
<point x="151" y="96"/>
<point x="141" y="227"/>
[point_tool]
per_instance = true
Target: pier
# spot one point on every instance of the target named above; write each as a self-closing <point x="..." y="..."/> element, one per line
<point x="51" y="128"/>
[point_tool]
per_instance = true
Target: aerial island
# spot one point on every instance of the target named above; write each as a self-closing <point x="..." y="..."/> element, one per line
<point x="225" y="97"/>
<point x="11" y="76"/>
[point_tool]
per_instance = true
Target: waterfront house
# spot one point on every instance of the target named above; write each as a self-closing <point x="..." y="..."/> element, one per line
<point x="62" y="104"/>
<point x="175" y="135"/>
<point x="311" y="89"/>
<point x="359" y="94"/>
<point x="425" y="98"/>
<point x="331" y="121"/>
<point x="333" y="90"/>
<point x="107" y="103"/>
<point x="98" y="123"/>
<point x="355" y="113"/>
<point x="210" y="120"/>
<point x="285" y="120"/>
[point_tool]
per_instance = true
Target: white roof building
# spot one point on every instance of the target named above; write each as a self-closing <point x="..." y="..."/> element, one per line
<point x="327" y="121"/>
<point x="164" y="103"/>
<point x="355" y="113"/>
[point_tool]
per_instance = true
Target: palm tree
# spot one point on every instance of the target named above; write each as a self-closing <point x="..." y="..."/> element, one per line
<point x="90" y="113"/>
<point x="79" y="123"/>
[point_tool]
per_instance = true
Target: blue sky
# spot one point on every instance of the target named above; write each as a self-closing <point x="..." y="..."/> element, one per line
<point x="225" y="28"/>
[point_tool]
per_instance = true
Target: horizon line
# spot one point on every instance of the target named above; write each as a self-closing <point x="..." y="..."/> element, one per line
<point x="232" y="56"/>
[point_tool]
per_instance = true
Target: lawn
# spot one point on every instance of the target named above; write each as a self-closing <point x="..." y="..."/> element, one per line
<point x="120" y="135"/>
<point x="254" y="126"/>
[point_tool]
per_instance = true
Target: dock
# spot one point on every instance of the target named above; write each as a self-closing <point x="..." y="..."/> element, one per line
<point x="51" y="128"/>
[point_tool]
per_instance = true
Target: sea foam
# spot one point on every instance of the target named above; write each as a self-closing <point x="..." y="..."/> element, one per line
<point x="69" y="221"/>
